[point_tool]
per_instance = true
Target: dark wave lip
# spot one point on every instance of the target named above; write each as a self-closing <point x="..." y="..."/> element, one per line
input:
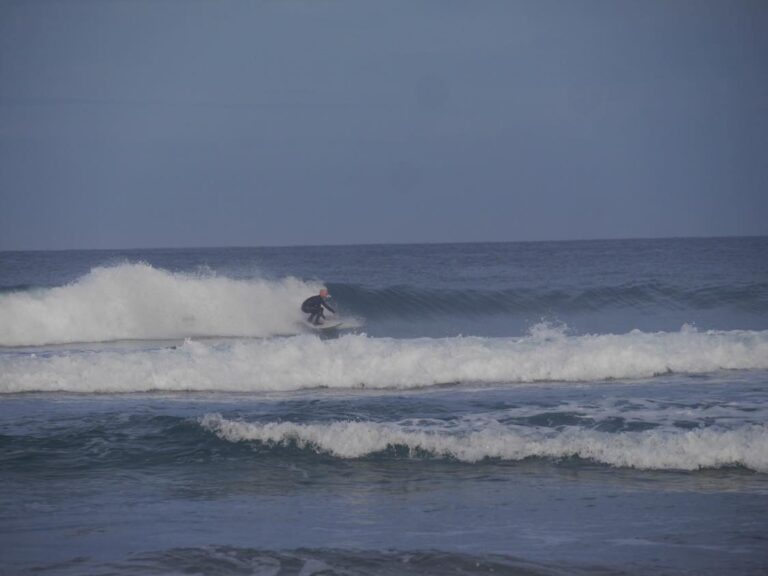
<point x="19" y="288"/>
<point x="225" y="560"/>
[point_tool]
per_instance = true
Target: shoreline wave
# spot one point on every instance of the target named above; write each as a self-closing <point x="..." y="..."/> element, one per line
<point x="657" y="449"/>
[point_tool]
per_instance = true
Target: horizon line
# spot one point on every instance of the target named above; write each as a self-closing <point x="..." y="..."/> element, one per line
<point x="373" y="244"/>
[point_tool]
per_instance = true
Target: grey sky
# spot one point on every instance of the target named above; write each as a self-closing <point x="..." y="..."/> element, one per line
<point x="218" y="123"/>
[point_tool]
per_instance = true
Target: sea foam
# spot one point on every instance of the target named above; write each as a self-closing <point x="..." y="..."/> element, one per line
<point x="355" y="360"/>
<point x="660" y="449"/>
<point x="137" y="301"/>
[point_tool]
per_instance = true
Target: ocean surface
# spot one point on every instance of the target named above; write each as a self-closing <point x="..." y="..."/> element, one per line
<point x="526" y="408"/>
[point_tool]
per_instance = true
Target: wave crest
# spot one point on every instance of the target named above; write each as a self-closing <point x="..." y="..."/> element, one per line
<point x="664" y="449"/>
<point x="137" y="301"/>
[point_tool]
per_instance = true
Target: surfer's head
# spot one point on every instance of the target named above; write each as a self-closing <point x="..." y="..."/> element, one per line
<point x="324" y="293"/>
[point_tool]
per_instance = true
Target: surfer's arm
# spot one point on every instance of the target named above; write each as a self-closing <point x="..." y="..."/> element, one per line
<point x="329" y="308"/>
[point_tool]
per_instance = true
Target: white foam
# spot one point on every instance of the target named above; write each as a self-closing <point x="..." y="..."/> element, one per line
<point x="351" y="361"/>
<point x="137" y="301"/>
<point x="664" y="449"/>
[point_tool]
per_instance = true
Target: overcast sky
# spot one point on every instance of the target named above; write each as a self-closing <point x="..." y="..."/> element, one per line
<point x="171" y="123"/>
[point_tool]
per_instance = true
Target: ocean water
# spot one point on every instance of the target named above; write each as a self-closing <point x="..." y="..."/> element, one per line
<point x="525" y="408"/>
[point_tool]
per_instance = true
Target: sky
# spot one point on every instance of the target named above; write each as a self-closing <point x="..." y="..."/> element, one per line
<point x="184" y="123"/>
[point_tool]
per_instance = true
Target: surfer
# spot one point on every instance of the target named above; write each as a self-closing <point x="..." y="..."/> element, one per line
<point x="314" y="307"/>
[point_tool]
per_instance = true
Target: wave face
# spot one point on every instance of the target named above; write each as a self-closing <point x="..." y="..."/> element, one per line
<point x="354" y="361"/>
<point x="476" y="439"/>
<point x="138" y="301"/>
<point x="411" y="301"/>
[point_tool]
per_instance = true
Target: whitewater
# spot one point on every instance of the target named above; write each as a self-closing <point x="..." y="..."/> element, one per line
<point x="358" y="361"/>
<point x="479" y="439"/>
<point x="138" y="301"/>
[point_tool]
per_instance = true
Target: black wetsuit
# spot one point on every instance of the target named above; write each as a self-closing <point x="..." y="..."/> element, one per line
<point x="314" y="307"/>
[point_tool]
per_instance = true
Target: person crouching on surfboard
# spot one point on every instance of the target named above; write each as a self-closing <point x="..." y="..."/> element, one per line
<point x="314" y="307"/>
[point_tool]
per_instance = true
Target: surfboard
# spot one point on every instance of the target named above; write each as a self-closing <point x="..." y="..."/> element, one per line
<point x="326" y="326"/>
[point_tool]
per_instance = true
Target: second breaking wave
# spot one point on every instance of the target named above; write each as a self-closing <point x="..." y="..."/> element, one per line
<point x="354" y="361"/>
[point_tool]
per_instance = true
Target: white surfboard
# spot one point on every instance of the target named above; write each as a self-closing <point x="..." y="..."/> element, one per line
<point x="326" y="326"/>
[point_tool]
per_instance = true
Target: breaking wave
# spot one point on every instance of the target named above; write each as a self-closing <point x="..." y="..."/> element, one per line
<point x="137" y="301"/>
<point x="657" y="449"/>
<point x="353" y="361"/>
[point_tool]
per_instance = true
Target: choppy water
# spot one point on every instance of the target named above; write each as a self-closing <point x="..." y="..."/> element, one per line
<point x="576" y="407"/>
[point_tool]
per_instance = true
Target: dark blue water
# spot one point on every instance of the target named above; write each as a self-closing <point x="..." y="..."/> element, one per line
<point x="582" y="407"/>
